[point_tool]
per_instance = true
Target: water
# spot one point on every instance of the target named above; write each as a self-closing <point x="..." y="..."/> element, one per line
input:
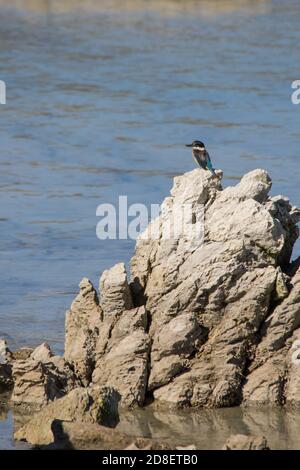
<point x="101" y="98"/>
<point x="206" y="429"/>
<point x="209" y="429"/>
<point x="6" y="430"/>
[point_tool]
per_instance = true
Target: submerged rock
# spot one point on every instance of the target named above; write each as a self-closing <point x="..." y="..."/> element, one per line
<point x="80" y="405"/>
<point x="91" y="436"/>
<point x="243" y="442"/>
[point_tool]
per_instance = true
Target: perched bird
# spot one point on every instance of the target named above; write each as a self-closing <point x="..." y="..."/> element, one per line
<point x="201" y="156"/>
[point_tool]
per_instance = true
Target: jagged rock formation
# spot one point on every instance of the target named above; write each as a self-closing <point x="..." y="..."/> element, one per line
<point x="124" y="365"/>
<point x="109" y="344"/>
<point x="210" y="317"/>
<point x="273" y="377"/>
<point x="41" y="378"/>
<point x="82" y="331"/>
<point x="227" y="284"/>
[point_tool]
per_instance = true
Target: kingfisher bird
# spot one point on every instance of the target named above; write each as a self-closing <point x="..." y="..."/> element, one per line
<point x="201" y="156"/>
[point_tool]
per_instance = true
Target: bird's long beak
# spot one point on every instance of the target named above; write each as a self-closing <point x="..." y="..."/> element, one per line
<point x="189" y="145"/>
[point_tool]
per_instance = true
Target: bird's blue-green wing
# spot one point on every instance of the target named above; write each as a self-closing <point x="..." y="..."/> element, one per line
<point x="209" y="164"/>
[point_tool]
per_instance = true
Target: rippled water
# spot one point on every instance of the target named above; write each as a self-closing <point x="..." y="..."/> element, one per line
<point x="101" y="98"/>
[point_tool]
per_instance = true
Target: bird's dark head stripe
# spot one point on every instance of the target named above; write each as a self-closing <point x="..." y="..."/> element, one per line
<point x="198" y="143"/>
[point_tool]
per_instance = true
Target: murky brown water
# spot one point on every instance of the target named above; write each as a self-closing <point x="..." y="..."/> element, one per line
<point x="206" y="429"/>
<point x="209" y="429"/>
